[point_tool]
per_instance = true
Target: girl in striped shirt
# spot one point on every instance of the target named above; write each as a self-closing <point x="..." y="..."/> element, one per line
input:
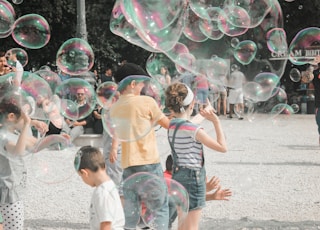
<point x="186" y="140"/>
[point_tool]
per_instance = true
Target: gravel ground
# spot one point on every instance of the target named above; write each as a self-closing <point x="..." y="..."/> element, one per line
<point x="273" y="169"/>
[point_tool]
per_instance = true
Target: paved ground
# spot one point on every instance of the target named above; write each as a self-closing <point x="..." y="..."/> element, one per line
<point x="272" y="167"/>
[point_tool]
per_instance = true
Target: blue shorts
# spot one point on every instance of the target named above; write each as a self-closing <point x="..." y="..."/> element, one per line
<point x="132" y="202"/>
<point x="194" y="181"/>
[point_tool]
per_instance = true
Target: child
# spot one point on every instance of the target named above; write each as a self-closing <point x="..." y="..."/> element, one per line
<point x="105" y="210"/>
<point x="213" y="189"/>
<point x="13" y="173"/>
<point x="186" y="140"/>
<point x="139" y="155"/>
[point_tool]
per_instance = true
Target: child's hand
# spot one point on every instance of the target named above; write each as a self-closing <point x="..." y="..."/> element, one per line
<point x="213" y="183"/>
<point x="113" y="156"/>
<point x="25" y="118"/>
<point x="209" y="112"/>
<point x="220" y="194"/>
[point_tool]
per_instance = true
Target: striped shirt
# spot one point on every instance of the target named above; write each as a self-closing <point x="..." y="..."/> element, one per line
<point x="189" y="152"/>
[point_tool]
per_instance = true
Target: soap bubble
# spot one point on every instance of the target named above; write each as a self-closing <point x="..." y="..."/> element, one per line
<point x="295" y="75"/>
<point x="116" y="124"/>
<point x="144" y="194"/>
<point x="75" y="56"/>
<point x="50" y="163"/>
<point x="107" y="94"/>
<point x="295" y="108"/>
<point x="49" y="76"/>
<point x="71" y="90"/>
<point x="7" y="18"/>
<point x="16" y="54"/>
<point x="31" y="31"/>
<point x="17" y="2"/>
<point x="304" y="40"/>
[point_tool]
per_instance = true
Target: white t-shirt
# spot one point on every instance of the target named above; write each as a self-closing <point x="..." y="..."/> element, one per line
<point x="106" y="207"/>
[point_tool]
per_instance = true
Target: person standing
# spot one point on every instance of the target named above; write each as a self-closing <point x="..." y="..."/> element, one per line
<point x="235" y="98"/>
<point x="202" y="90"/>
<point x="316" y="84"/>
<point x="222" y="100"/>
<point x="106" y="211"/>
<point x="138" y="155"/>
<point x="13" y="172"/>
<point x="165" y="77"/>
<point x="186" y="140"/>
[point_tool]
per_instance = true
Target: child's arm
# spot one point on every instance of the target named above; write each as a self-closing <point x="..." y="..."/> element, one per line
<point x="105" y="225"/>
<point x="218" y="144"/>
<point x="24" y="138"/>
<point x="164" y="122"/>
<point x="219" y="194"/>
<point x="114" y="150"/>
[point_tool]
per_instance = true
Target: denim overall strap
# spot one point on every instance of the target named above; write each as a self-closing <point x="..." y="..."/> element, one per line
<point x="174" y="155"/>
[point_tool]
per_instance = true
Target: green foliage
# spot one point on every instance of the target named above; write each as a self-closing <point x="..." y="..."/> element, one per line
<point x="108" y="48"/>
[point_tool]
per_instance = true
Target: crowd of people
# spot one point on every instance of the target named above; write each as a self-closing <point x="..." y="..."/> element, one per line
<point x="113" y="205"/>
<point x="109" y="169"/>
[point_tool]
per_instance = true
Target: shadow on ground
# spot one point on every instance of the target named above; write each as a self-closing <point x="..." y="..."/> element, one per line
<point x="44" y="224"/>
<point x="250" y="224"/>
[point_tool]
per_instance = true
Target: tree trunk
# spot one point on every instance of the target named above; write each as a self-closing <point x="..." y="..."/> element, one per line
<point x="81" y="20"/>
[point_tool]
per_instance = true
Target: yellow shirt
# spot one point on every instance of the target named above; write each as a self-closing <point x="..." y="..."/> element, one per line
<point x="134" y="118"/>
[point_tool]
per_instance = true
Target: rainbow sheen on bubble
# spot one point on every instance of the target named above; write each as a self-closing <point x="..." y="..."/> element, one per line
<point x="33" y="90"/>
<point x="49" y="76"/>
<point x="75" y="56"/>
<point x="7" y="18"/>
<point x="107" y="94"/>
<point x="207" y="29"/>
<point x="31" y="31"/>
<point x="302" y="46"/>
<point x="52" y="166"/>
<point x="144" y="194"/>
<point x="67" y="92"/>
<point x="277" y="40"/>
<point x="117" y="124"/>
<point x="16" y="54"/>
<point x="280" y="114"/>
<point x="295" y="75"/>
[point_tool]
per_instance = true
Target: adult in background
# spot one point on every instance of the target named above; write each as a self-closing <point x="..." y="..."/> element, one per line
<point x="107" y="76"/>
<point x="316" y="84"/>
<point x="4" y="68"/>
<point x="235" y="97"/>
<point x="77" y="128"/>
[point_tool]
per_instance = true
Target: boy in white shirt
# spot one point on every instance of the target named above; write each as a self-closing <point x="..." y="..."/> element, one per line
<point x="106" y="211"/>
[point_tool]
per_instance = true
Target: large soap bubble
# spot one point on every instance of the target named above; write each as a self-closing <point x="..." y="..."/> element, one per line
<point x="31" y="31"/>
<point x="75" y="56"/>
<point x="16" y="54"/>
<point x="144" y="194"/>
<point x="116" y="120"/>
<point x="7" y="18"/>
<point x="305" y="41"/>
<point x="70" y="92"/>
<point x="207" y="29"/>
<point x="52" y="166"/>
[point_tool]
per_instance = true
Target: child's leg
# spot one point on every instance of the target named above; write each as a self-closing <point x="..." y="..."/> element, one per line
<point x="1" y="221"/>
<point x="13" y="215"/>
<point x="191" y="222"/>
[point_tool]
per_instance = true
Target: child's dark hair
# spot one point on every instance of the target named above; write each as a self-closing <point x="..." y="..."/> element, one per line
<point x="175" y="94"/>
<point x="9" y="106"/>
<point x="89" y="157"/>
<point x="169" y="163"/>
